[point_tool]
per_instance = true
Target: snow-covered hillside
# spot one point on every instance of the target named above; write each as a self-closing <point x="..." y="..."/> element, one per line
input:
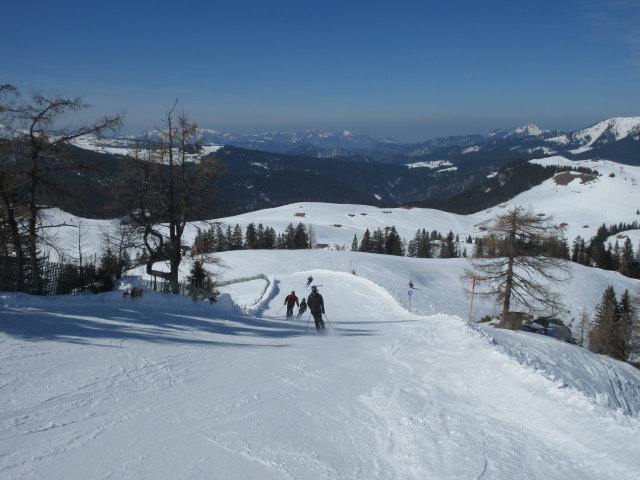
<point x="607" y="131"/>
<point x="581" y="206"/>
<point x="108" y="386"/>
<point x="400" y="386"/>
<point x="578" y="204"/>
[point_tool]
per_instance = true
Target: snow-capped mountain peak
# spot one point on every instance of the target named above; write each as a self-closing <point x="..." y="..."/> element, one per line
<point x="523" y="131"/>
<point x="602" y="133"/>
<point x="530" y="129"/>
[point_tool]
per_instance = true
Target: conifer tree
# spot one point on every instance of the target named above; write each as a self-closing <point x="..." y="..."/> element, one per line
<point x="420" y="246"/>
<point x="412" y="247"/>
<point x="251" y="237"/>
<point x="579" y="253"/>
<point x="377" y="241"/>
<point x="625" y="327"/>
<point x="393" y="243"/>
<point x="365" y="242"/>
<point x="228" y="239"/>
<point x="288" y="239"/>
<point x="260" y="236"/>
<point x="269" y="238"/>
<point x="200" y="279"/>
<point x="448" y="248"/>
<point x="354" y="243"/>
<point x="312" y="237"/>
<point x="300" y="237"/>
<point x="604" y="337"/>
<point x="626" y="262"/>
<point x="236" y="238"/>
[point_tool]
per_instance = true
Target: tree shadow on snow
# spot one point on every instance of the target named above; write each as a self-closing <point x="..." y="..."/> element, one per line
<point x="107" y="324"/>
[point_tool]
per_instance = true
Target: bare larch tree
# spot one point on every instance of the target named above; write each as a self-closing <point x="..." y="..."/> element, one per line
<point x="514" y="267"/>
<point x="36" y="158"/>
<point x="165" y="190"/>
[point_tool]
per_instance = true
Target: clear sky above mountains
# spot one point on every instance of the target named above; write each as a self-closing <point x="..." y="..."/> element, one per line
<point x="412" y="70"/>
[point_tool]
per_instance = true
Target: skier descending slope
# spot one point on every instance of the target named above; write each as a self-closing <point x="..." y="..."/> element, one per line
<point x="290" y="302"/>
<point x="316" y="306"/>
<point x="302" y="308"/>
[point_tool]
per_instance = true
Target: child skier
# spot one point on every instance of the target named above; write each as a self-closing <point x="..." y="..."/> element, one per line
<point x="302" y="308"/>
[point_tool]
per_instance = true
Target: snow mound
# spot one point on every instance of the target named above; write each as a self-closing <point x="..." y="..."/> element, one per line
<point x="603" y="380"/>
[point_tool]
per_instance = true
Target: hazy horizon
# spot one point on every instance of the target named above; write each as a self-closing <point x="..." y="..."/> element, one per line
<point x="411" y="71"/>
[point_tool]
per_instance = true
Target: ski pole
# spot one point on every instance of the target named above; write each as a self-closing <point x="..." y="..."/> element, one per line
<point x="325" y="316"/>
<point x="309" y="319"/>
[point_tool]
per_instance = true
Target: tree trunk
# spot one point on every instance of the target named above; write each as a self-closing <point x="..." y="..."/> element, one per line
<point x="32" y="232"/>
<point x="508" y="284"/>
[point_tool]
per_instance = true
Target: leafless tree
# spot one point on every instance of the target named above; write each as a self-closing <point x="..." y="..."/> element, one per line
<point x="12" y="212"/>
<point x="36" y="157"/>
<point x="583" y="323"/>
<point x="166" y="190"/>
<point x="514" y="267"/>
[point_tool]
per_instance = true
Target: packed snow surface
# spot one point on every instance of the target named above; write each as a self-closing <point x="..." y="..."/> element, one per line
<point x="398" y="387"/>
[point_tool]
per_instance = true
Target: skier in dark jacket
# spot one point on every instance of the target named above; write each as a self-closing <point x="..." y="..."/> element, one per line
<point x="290" y="302"/>
<point x="316" y="305"/>
<point x="309" y="280"/>
<point x="302" y="308"/>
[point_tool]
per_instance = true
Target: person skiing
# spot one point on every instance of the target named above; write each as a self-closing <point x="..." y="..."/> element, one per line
<point x="309" y="280"/>
<point x="302" y="308"/>
<point x="316" y="305"/>
<point x="290" y="302"/>
<point x="410" y="283"/>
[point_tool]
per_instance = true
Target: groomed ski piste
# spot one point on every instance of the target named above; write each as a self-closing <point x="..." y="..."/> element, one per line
<point x="112" y="387"/>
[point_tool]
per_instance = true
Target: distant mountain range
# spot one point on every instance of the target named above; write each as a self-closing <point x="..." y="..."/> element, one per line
<point x="267" y="170"/>
<point x="616" y="139"/>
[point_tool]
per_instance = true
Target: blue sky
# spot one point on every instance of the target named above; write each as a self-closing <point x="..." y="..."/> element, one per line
<point x="412" y="70"/>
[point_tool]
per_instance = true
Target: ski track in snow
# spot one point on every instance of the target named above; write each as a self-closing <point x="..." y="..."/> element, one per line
<point x="161" y="388"/>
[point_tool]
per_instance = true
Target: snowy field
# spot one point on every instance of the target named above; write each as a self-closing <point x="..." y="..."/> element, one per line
<point x="400" y="386"/>
<point x="106" y="387"/>
<point x="580" y="207"/>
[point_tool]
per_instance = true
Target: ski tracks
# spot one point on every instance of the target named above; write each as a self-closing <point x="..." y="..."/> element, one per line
<point x="83" y="408"/>
<point x="436" y="411"/>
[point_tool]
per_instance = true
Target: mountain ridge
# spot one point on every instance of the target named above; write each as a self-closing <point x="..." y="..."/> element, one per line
<point x="616" y="138"/>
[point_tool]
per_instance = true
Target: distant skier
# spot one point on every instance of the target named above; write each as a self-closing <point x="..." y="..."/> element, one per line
<point x="309" y="280"/>
<point x="410" y="283"/>
<point x="316" y="305"/>
<point x="302" y="308"/>
<point x="290" y="302"/>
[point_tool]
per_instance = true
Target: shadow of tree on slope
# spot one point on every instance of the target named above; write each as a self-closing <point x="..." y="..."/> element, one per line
<point x="97" y="324"/>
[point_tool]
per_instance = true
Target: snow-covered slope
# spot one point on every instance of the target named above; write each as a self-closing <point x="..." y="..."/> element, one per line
<point x="580" y="204"/>
<point x="400" y="387"/>
<point x="108" y="386"/>
<point x="126" y="146"/>
<point x="607" y="131"/>
<point x="518" y="132"/>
